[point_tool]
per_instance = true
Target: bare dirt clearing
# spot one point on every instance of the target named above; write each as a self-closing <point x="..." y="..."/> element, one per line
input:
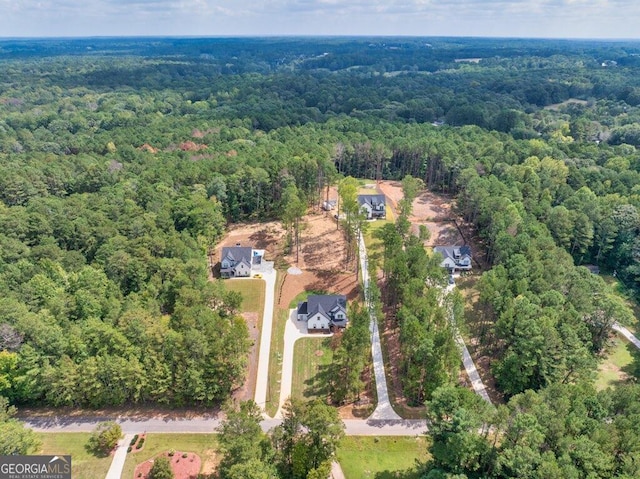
<point x="429" y="209"/>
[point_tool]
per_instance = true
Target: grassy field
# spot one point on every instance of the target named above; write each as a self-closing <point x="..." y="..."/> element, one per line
<point x="364" y="457"/>
<point x="84" y="464"/>
<point x="616" y="367"/>
<point x="204" y="445"/>
<point x="252" y="291"/>
<point x="310" y="355"/>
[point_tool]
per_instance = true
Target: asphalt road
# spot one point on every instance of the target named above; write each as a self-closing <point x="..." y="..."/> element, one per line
<point x="353" y="427"/>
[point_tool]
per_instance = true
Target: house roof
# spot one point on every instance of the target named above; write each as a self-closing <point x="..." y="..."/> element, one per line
<point x="238" y="253"/>
<point x="453" y="252"/>
<point x="371" y="200"/>
<point x="322" y="304"/>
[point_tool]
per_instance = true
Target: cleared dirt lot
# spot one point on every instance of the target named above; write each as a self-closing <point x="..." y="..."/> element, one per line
<point x="429" y="209"/>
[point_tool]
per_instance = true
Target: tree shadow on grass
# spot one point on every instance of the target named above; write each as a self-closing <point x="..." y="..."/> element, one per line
<point x="96" y="451"/>
<point x="633" y="369"/>
<point x="318" y="384"/>
<point x="406" y="474"/>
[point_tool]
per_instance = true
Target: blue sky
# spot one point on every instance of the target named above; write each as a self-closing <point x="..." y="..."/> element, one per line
<point x="500" y="18"/>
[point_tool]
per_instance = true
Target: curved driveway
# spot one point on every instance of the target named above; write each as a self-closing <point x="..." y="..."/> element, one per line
<point x="467" y="360"/>
<point x="293" y="331"/>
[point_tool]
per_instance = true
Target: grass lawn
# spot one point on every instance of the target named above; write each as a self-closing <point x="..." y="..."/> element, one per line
<point x="617" y="365"/>
<point x="384" y="457"/>
<point x="310" y="355"/>
<point x="204" y="445"/>
<point x="84" y="464"/>
<point x="252" y="291"/>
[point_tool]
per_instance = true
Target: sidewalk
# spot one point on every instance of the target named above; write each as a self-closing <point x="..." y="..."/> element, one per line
<point x="117" y="464"/>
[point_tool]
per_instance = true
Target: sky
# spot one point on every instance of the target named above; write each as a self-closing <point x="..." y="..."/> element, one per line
<point x="493" y="18"/>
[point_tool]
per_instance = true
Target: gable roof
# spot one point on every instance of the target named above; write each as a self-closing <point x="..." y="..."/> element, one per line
<point x="453" y="252"/>
<point x="325" y="303"/>
<point x="237" y="254"/>
<point x="371" y="200"/>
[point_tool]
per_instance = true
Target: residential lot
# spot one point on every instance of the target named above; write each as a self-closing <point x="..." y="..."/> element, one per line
<point x="429" y="209"/>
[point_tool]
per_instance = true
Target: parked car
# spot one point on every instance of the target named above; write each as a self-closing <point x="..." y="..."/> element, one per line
<point x="451" y="280"/>
<point x="259" y="276"/>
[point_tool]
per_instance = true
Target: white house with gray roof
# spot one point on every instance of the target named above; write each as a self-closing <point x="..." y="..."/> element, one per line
<point x="323" y="312"/>
<point x="455" y="258"/>
<point x="374" y="206"/>
<point x="239" y="261"/>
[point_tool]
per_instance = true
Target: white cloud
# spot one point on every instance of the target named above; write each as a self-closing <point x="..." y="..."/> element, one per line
<point x="557" y="18"/>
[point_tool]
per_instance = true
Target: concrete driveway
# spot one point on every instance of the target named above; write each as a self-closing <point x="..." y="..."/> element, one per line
<point x="262" y="374"/>
<point x="293" y="331"/>
<point x="383" y="410"/>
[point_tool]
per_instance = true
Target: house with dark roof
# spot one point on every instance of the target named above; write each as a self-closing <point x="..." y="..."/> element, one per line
<point x="238" y="261"/>
<point x="323" y="312"/>
<point x="374" y="206"/>
<point x="455" y="258"/>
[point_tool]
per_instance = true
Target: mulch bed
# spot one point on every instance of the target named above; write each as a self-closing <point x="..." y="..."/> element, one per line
<point x="183" y="467"/>
<point x="138" y="444"/>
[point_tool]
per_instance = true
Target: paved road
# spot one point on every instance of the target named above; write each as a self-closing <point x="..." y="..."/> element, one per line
<point x="467" y="360"/>
<point x="117" y="464"/>
<point x="265" y="339"/>
<point x="627" y="334"/>
<point x="353" y="427"/>
<point x="293" y="331"/>
<point x="383" y="410"/>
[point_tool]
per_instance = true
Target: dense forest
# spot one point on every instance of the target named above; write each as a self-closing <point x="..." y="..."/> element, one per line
<point x="123" y="160"/>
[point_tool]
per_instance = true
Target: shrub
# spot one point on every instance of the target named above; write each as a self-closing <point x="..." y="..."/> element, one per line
<point x="161" y="469"/>
<point x="129" y="449"/>
<point x="104" y="437"/>
<point x="185" y="455"/>
<point x="133" y="441"/>
<point x="172" y="452"/>
<point x="140" y="443"/>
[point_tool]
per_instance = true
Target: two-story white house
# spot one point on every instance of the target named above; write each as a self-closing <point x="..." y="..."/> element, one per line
<point x="455" y="258"/>
<point x="374" y="206"/>
<point x="323" y="312"/>
<point x="239" y="261"/>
